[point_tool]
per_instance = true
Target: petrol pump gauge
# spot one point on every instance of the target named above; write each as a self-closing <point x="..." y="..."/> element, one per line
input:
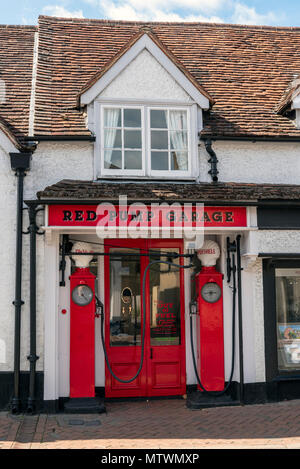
<point x="211" y="292"/>
<point x="82" y="295"/>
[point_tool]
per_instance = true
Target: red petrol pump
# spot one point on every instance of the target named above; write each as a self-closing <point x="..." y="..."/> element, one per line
<point x="82" y="329"/>
<point x="210" y="331"/>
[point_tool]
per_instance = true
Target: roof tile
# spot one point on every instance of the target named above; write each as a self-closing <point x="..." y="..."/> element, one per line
<point x="245" y="69"/>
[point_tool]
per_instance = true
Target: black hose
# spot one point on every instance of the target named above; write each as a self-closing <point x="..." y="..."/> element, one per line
<point x="144" y="322"/>
<point x="218" y="393"/>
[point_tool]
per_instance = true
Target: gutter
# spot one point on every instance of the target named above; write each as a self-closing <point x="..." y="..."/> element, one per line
<point x="251" y="138"/>
<point x="209" y="203"/>
<point x="61" y="138"/>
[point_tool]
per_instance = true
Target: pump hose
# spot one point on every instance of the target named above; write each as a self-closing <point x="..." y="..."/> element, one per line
<point x="218" y="393"/>
<point x="144" y="322"/>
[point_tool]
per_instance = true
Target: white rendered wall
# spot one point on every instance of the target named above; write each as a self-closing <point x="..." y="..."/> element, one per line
<point x="8" y="191"/>
<point x="258" y="162"/>
<point x="8" y="207"/>
<point x="51" y="163"/>
<point x="145" y="78"/>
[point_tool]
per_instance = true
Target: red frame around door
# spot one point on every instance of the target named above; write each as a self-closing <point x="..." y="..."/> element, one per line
<point x="164" y="368"/>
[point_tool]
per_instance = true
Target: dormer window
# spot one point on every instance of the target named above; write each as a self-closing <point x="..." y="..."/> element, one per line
<point x="145" y="141"/>
<point x="145" y="109"/>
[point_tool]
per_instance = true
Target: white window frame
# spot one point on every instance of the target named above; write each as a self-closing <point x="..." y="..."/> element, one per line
<point x="193" y="124"/>
<point x="171" y="172"/>
<point x="122" y="172"/>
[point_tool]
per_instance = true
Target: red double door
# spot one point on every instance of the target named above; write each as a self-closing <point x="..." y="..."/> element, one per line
<point x="163" y="372"/>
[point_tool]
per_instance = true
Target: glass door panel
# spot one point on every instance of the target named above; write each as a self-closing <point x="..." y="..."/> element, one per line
<point x="164" y="302"/>
<point x="125" y="298"/>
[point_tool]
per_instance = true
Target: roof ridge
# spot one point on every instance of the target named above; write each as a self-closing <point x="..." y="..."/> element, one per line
<point x="173" y="23"/>
<point x="21" y="26"/>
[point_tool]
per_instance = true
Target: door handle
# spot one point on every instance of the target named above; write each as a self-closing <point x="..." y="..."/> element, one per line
<point x="151" y="353"/>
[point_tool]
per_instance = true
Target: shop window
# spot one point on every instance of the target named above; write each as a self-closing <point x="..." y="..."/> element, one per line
<point x="287" y="284"/>
<point x="282" y="318"/>
<point x="145" y="141"/>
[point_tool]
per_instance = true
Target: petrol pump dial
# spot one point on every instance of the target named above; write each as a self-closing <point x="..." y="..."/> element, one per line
<point x="82" y="295"/>
<point x="211" y="292"/>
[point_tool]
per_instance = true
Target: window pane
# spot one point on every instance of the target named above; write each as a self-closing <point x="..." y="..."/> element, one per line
<point x="288" y="318"/>
<point x="133" y="159"/>
<point x="165" y="303"/>
<point x="178" y="120"/>
<point x="159" y="139"/>
<point x="132" y="139"/>
<point x="159" y="160"/>
<point x="113" y="159"/>
<point x="112" y="138"/>
<point x="179" y="161"/>
<point x="178" y="140"/>
<point x="158" y="119"/>
<point x="132" y="118"/>
<point x="125" y="299"/>
<point x="112" y="117"/>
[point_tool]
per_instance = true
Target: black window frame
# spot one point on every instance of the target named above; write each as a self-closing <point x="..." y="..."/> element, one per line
<point x="270" y="320"/>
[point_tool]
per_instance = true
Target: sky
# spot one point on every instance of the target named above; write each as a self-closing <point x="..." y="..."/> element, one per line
<point x="258" y="12"/>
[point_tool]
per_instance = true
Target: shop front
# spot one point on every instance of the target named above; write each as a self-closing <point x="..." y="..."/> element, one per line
<point x="129" y="334"/>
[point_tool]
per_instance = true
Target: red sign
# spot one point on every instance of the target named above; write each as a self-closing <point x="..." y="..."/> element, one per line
<point x="138" y="215"/>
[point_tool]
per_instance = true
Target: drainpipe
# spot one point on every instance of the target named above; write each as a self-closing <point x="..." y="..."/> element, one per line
<point x="20" y="163"/>
<point x="213" y="160"/>
<point x="240" y="316"/>
<point x="33" y="231"/>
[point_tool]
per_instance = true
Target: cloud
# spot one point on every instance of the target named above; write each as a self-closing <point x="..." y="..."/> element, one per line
<point x="56" y="10"/>
<point x="216" y="11"/>
<point x="134" y="10"/>
<point x="164" y="5"/>
<point x="246" y="15"/>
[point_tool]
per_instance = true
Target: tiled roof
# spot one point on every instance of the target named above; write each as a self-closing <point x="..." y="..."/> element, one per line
<point x="16" y="58"/>
<point x="246" y="70"/>
<point x="89" y="190"/>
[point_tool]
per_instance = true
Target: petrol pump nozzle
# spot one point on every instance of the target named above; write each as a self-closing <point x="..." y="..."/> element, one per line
<point x="193" y="307"/>
<point x="231" y="247"/>
<point x="99" y="307"/>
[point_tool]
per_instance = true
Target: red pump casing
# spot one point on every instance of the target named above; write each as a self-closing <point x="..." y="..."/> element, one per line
<point x="82" y="338"/>
<point x="210" y="333"/>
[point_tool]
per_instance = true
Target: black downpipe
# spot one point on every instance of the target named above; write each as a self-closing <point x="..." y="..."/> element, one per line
<point x="32" y="357"/>
<point x="240" y="316"/>
<point x="18" y="302"/>
<point x="213" y="161"/>
<point x="20" y="163"/>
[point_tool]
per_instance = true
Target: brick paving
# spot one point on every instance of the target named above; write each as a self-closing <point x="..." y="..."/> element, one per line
<point x="159" y="424"/>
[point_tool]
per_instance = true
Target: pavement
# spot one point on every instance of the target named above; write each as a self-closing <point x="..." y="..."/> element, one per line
<point x="158" y="424"/>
